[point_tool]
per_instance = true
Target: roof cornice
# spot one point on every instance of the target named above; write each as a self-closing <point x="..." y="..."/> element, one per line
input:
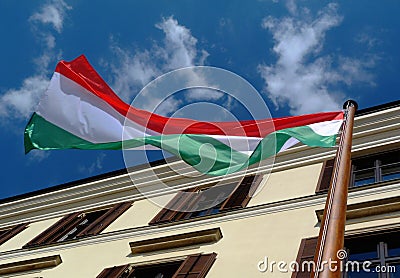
<point x="382" y="127"/>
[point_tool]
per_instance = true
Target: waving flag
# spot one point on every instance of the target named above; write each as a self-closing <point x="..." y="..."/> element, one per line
<point x="79" y="110"/>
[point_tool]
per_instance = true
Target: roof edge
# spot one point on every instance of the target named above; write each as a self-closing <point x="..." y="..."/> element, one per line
<point x="95" y="178"/>
<point x="377" y="108"/>
<point x="361" y="112"/>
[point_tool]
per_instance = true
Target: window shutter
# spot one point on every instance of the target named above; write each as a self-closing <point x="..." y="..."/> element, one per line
<point x="121" y="271"/>
<point x="190" y="206"/>
<point x="325" y="176"/>
<point x="306" y="253"/>
<point x="241" y="196"/>
<point x="195" y="266"/>
<point x="11" y="232"/>
<point x="57" y="230"/>
<point x="105" y="220"/>
<point x="179" y="201"/>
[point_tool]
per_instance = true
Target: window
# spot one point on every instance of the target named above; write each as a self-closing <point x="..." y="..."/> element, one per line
<point x="376" y="168"/>
<point x="202" y="201"/>
<point x="366" y="170"/>
<point x="382" y="249"/>
<point x="79" y="224"/>
<point x="8" y="233"/>
<point x="194" y="266"/>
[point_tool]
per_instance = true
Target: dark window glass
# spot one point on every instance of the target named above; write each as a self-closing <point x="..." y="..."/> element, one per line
<point x="391" y="171"/>
<point x="165" y="270"/>
<point x="362" y="256"/>
<point x="381" y="250"/>
<point x="378" y="253"/>
<point x="210" y="199"/>
<point x="376" y="168"/>
<point x="392" y="244"/>
<point x="394" y="270"/>
<point x="362" y="274"/>
<point x="197" y="202"/>
<point x="360" y="250"/>
<point x="87" y="219"/>
<point x="364" y="176"/>
<point x="79" y="225"/>
<point x="393" y="247"/>
<point x="196" y="266"/>
<point x="394" y="252"/>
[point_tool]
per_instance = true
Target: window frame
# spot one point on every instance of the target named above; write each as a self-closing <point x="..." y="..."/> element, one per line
<point x="382" y="249"/>
<point x="195" y="265"/>
<point x="377" y="166"/>
<point x="238" y="198"/>
<point x="308" y="247"/>
<point x="328" y="166"/>
<point x="61" y="228"/>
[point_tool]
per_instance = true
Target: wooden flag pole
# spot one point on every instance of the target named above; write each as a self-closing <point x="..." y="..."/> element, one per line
<point x="331" y="234"/>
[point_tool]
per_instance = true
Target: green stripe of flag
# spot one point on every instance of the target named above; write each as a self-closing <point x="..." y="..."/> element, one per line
<point x="203" y="152"/>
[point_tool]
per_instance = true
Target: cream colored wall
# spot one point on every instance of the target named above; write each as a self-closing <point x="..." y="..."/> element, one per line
<point x="245" y="242"/>
<point x="289" y="184"/>
<point x="278" y="186"/>
<point x="138" y="215"/>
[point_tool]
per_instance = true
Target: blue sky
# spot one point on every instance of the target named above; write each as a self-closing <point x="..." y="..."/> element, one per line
<point x="302" y="56"/>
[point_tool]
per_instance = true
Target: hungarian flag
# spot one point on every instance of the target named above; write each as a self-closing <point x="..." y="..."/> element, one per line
<point x="79" y="110"/>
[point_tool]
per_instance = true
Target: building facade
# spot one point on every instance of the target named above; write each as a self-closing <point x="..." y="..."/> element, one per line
<point x="265" y="226"/>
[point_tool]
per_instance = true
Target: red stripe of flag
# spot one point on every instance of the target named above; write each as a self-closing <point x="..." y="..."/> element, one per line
<point x="81" y="72"/>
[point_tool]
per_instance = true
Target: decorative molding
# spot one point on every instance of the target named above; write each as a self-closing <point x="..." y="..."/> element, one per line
<point x="370" y="208"/>
<point x="383" y="126"/>
<point x="371" y="230"/>
<point x="207" y="221"/>
<point x="176" y="241"/>
<point x="29" y="265"/>
<point x="132" y="196"/>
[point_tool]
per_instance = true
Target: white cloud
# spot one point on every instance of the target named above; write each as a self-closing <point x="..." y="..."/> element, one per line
<point x="52" y="13"/>
<point x="177" y="50"/>
<point x="95" y="165"/>
<point x="38" y="155"/>
<point x="19" y="103"/>
<point x="356" y="70"/>
<point x="207" y="94"/>
<point x="367" y="37"/>
<point x="132" y="71"/>
<point x="291" y="6"/>
<point x="301" y="78"/>
<point x="166" y="106"/>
